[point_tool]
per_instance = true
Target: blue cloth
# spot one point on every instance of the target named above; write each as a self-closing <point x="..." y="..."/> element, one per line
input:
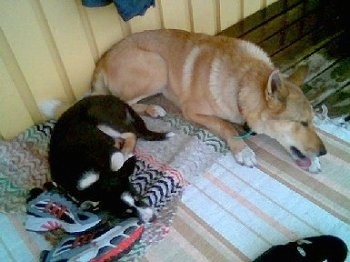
<point x="130" y="8"/>
<point x="127" y="9"/>
<point x="96" y="3"/>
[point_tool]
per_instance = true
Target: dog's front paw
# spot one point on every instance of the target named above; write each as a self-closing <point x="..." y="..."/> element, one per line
<point x="117" y="161"/>
<point x="315" y="166"/>
<point x="246" y="157"/>
<point x="155" y="111"/>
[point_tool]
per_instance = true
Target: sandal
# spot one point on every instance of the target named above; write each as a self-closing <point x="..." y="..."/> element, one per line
<point x="323" y="248"/>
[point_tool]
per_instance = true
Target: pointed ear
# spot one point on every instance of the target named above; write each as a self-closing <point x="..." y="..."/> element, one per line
<point x="276" y="92"/>
<point x="299" y="75"/>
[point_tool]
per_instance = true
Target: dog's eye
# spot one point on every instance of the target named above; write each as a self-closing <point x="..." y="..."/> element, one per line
<point x="304" y="123"/>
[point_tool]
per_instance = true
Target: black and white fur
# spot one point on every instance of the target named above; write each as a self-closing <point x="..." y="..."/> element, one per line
<point x="87" y="156"/>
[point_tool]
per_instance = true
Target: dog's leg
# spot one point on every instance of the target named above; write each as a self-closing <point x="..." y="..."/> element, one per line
<point x="126" y="147"/>
<point x="125" y="142"/>
<point x="117" y="158"/>
<point x="226" y="130"/>
<point x="154" y="111"/>
<point x="109" y="131"/>
<point x="87" y="179"/>
<point x="117" y="161"/>
<point x="129" y="144"/>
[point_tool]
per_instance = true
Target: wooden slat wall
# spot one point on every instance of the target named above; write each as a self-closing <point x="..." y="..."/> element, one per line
<point x="48" y="48"/>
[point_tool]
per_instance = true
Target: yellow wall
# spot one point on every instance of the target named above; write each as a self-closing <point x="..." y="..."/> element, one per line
<point x="48" y="48"/>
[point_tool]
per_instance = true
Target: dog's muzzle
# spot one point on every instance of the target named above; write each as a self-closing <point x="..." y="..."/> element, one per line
<point x="300" y="159"/>
<point x="306" y="163"/>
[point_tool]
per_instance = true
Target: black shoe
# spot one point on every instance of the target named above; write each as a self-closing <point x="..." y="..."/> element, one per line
<point x="311" y="249"/>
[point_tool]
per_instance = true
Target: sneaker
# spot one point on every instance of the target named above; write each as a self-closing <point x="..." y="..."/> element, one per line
<point x="51" y="210"/>
<point x="311" y="249"/>
<point x="99" y="244"/>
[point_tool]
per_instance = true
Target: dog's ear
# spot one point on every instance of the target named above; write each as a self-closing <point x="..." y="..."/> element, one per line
<point x="299" y="75"/>
<point x="276" y="92"/>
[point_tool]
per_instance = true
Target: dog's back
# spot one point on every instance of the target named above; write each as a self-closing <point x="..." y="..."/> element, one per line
<point x="77" y="146"/>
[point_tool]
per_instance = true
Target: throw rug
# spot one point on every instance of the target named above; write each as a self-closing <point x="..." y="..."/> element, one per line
<point x="163" y="170"/>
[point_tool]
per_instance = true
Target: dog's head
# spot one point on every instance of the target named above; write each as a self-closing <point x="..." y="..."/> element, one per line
<point x="287" y="118"/>
<point x="113" y="191"/>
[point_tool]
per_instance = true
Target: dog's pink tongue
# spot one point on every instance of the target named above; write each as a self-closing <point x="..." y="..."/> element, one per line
<point x="304" y="163"/>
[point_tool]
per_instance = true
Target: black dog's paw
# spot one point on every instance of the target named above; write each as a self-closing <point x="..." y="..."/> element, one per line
<point x="128" y="166"/>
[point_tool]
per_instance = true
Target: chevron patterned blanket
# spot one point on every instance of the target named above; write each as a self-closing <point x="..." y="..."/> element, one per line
<point x="24" y="165"/>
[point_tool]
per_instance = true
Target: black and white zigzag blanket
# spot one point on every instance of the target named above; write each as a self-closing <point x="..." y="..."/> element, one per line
<point x="158" y="176"/>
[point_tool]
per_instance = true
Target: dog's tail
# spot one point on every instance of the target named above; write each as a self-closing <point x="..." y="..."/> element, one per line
<point x="99" y="84"/>
<point x="141" y="129"/>
<point x="53" y="108"/>
<point x="149" y="135"/>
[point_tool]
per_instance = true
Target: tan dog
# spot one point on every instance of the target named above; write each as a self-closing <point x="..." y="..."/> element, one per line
<point x="215" y="81"/>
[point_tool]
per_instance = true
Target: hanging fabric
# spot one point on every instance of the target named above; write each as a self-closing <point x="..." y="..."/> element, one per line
<point x="127" y="9"/>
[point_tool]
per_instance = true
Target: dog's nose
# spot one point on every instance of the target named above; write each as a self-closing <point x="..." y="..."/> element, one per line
<point x="322" y="151"/>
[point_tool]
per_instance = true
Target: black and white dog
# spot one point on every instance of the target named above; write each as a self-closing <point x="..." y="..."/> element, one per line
<point x="91" y="154"/>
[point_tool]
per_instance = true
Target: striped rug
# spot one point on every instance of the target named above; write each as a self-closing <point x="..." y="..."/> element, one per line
<point x="233" y="213"/>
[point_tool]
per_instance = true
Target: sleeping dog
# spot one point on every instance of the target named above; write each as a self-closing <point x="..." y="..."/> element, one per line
<point x="217" y="82"/>
<point x="91" y="154"/>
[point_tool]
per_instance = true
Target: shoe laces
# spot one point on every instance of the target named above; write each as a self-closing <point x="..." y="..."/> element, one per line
<point x="58" y="210"/>
<point x="89" y="236"/>
<point x="84" y="239"/>
<point x="62" y="209"/>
